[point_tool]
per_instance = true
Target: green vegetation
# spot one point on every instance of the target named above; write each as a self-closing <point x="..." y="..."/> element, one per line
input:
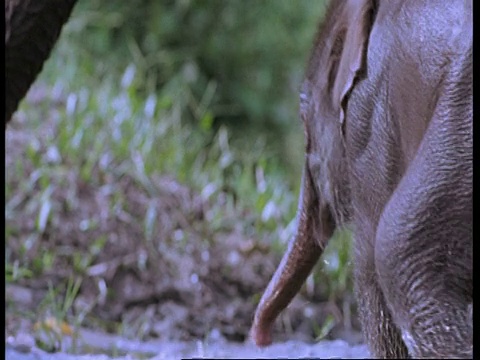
<point x="201" y="92"/>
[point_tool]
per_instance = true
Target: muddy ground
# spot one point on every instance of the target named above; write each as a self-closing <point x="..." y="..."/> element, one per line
<point x="186" y="285"/>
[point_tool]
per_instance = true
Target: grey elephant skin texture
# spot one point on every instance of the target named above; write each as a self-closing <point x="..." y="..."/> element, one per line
<point x="386" y="106"/>
<point x="32" y="28"/>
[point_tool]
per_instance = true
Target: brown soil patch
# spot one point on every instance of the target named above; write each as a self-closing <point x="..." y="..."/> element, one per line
<point x="181" y="282"/>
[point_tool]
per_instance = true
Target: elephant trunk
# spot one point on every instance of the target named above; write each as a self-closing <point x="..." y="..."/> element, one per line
<point x="315" y="227"/>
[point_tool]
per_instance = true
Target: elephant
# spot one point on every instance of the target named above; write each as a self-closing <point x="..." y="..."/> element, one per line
<point x="32" y="28"/>
<point x="386" y="106"/>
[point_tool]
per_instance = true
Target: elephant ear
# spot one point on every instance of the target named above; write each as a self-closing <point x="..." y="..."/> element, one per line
<point x="353" y="35"/>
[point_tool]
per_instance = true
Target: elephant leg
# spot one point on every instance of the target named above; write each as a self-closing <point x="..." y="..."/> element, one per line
<point x="32" y="28"/>
<point x="423" y="250"/>
<point x="423" y="258"/>
<point x="381" y="334"/>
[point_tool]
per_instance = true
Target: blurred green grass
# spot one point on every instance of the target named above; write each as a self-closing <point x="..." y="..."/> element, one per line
<point x="205" y="92"/>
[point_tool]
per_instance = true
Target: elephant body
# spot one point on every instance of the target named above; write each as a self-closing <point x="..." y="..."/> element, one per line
<point x="32" y="28"/>
<point x="387" y="110"/>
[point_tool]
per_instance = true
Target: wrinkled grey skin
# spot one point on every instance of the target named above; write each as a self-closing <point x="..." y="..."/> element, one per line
<point x="387" y="110"/>
<point x="32" y="28"/>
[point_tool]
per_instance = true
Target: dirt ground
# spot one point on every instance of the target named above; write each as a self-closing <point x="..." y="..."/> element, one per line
<point x="185" y="283"/>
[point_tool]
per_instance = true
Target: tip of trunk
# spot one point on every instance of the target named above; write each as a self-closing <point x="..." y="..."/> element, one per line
<point x="261" y="335"/>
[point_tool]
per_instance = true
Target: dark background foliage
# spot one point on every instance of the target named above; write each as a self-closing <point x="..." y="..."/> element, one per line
<point x="242" y="61"/>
